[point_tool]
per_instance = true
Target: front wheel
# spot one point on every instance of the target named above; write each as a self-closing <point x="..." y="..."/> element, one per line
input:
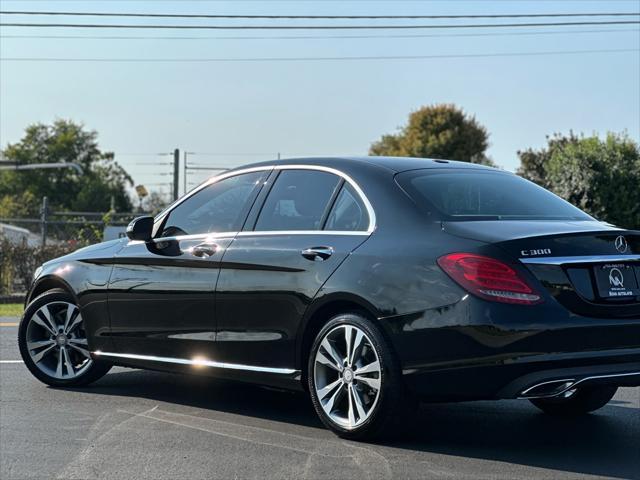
<point x="354" y="379"/>
<point x="584" y="400"/>
<point x="53" y="342"/>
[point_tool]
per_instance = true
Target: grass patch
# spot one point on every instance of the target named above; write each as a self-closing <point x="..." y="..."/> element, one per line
<point x="11" y="309"/>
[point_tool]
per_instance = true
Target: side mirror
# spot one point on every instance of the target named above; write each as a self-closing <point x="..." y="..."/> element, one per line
<point x="140" y="228"/>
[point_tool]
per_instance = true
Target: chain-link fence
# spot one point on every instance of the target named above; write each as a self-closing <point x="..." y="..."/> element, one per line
<point x="25" y="243"/>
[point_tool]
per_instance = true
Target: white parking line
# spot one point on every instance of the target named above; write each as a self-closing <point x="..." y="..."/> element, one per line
<point x="11" y="361"/>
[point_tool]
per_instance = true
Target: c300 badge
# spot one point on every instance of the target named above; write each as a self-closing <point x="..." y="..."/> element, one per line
<point x="535" y="251"/>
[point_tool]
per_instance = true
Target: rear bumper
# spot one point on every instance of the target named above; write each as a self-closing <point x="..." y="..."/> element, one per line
<point x="474" y="349"/>
<point x="557" y="382"/>
<point x="525" y="377"/>
<point x="520" y="378"/>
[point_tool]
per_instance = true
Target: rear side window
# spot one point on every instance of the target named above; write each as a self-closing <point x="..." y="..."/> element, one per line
<point x="485" y="195"/>
<point x="219" y="207"/>
<point x="348" y="212"/>
<point x="297" y="201"/>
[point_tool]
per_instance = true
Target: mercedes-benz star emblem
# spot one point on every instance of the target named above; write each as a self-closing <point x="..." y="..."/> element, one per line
<point x="621" y="244"/>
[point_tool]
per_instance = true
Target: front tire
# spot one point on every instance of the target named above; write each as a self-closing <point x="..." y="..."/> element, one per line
<point x="53" y="342"/>
<point x="583" y="401"/>
<point x="354" y="379"/>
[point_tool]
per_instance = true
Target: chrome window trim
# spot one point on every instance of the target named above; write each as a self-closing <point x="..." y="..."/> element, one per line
<point x="259" y="233"/>
<point x="580" y="259"/>
<point x="196" y="236"/>
<point x="217" y="178"/>
<point x="251" y="233"/>
<point x="197" y="362"/>
<point x="370" y="211"/>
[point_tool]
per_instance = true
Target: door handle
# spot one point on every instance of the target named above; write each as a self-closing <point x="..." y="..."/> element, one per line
<point x="317" y="254"/>
<point x="204" y="250"/>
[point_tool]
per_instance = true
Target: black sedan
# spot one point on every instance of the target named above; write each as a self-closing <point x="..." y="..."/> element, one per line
<point x="370" y="282"/>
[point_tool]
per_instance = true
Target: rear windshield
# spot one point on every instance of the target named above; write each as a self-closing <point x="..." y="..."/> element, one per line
<point x="477" y="195"/>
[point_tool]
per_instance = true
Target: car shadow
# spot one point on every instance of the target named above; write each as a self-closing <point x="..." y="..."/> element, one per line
<point x="605" y="443"/>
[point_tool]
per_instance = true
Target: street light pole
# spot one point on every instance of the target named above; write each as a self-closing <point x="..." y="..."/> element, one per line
<point x="5" y="165"/>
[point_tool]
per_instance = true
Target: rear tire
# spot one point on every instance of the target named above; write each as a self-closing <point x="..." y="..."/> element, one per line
<point x="585" y="400"/>
<point x="356" y="390"/>
<point x="53" y="342"/>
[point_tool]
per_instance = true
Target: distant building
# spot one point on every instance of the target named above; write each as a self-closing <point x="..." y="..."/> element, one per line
<point x="112" y="232"/>
<point x="18" y="235"/>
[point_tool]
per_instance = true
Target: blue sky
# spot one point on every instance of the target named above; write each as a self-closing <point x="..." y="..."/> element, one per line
<point x="243" y="112"/>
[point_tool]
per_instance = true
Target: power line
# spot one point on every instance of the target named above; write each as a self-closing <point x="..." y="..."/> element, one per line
<point x="318" y="37"/>
<point x="231" y="154"/>
<point x="311" y="59"/>
<point x="316" y="27"/>
<point x="139" y="154"/>
<point x="326" y="1"/>
<point x="207" y="168"/>
<point x="309" y="1"/>
<point x="259" y="154"/>
<point x="314" y="17"/>
<point x="143" y="164"/>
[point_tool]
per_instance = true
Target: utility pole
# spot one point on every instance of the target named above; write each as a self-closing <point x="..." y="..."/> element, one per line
<point x="184" y="175"/>
<point x="176" y="172"/>
<point x="44" y="213"/>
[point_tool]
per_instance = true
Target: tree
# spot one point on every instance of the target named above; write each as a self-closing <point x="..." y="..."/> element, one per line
<point x="602" y="177"/>
<point x="63" y="141"/>
<point x="437" y="131"/>
<point x="155" y="203"/>
<point x="18" y="205"/>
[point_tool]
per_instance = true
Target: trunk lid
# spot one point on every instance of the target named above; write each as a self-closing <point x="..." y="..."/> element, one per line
<point x="592" y="269"/>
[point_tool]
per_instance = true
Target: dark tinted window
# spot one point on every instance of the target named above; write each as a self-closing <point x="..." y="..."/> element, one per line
<point x="486" y="194"/>
<point x="297" y="200"/>
<point x="220" y="207"/>
<point x="348" y="212"/>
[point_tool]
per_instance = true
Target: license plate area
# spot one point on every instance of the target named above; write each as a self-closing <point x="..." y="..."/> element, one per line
<point x="616" y="281"/>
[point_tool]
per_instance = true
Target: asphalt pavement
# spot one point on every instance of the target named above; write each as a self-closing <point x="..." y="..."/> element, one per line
<point x="148" y="425"/>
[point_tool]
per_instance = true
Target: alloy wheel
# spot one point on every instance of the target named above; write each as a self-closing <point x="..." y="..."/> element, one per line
<point x="56" y="341"/>
<point x="347" y="376"/>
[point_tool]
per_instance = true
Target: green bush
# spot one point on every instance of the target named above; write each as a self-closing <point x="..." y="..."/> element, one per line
<point x="599" y="175"/>
<point x="19" y="261"/>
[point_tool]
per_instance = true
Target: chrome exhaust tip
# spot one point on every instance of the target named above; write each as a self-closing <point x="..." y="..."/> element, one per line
<point x="568" y="386"/>
<point x="552" y="388"/>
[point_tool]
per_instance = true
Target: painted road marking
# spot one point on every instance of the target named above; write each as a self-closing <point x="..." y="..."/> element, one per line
<point x="11" y="361"/>
<point x="8" y="324"/>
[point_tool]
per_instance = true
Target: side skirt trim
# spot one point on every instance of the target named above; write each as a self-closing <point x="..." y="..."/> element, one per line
<point x="198" y="362"/>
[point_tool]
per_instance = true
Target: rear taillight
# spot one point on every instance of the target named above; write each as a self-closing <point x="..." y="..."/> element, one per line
<point x="488" y="278"/>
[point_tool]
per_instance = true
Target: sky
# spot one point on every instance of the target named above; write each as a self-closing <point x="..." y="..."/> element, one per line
<point x="236" y="112"/>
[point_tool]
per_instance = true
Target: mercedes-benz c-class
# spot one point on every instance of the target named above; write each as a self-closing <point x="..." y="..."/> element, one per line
<point x="371" y="283"/>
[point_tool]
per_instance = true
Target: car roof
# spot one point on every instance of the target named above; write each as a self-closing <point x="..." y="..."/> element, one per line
<point x="393" y="164"/>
